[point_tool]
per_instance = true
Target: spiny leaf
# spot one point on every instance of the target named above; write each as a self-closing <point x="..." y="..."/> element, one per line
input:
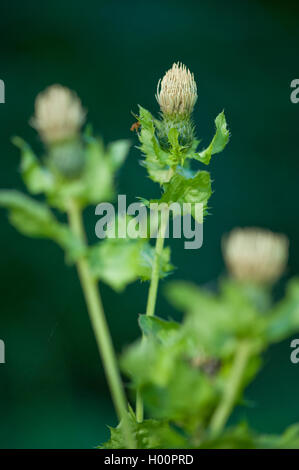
<point x="193" y="190"/>
<point x="150" y="434"/>
<point x="157" y="161"/>
<point x="218" y="142"/>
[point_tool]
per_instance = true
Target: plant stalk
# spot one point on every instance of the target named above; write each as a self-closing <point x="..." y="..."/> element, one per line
<point x="232" y="390"/>
<point x="152" y="295"/>
<point x="100" y="328"/>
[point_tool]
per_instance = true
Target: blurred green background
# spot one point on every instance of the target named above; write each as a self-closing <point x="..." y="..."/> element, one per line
<point x="53" y="392"/>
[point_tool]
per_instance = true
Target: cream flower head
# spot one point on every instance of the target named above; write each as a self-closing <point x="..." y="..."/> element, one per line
<point x="255" y="255"/>
<point x="177" y="91"/>
<point x="58" y="114"/>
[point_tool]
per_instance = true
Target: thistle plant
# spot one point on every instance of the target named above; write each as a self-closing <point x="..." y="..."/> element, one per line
<point x="168" y="145"/>
<point x="76" y="170"/>
<point x="185" y="378"/>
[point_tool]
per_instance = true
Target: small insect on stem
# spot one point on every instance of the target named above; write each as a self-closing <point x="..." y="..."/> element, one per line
<point x="135" y="126"/>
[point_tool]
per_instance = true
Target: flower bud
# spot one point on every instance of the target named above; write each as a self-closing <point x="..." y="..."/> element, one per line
<point x="67" y="158"/>
<point x="177" y="92"/>
<point x="255" y="255"/>
<point x="176" y="95"/>
<point x="58" y="115"/>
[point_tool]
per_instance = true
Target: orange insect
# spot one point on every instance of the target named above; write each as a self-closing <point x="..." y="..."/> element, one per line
<point x="135" y="126"/>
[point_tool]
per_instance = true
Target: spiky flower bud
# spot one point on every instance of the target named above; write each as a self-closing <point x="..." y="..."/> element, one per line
<point x="176" y="95"/>
<point x="255" y="255"/>
<point x="177" y="91"/>
<point x="58" y="114"/>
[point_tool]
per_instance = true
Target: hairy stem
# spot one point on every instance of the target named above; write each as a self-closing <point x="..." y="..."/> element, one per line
<point x="232" y="390"/>
<point x="100" y="328"/>
<point x="152" y="295"/>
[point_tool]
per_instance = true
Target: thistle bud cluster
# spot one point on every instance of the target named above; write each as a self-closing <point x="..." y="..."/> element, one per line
<point x="255" y="255"/>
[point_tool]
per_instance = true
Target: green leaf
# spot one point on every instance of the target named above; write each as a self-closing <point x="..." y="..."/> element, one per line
<point x="147" y="255"/>
<point x="150" y="434"/>
<point x="242" y="437"/>
<point x="160" y="367"/>
<point x="116" y="262"/>
<point x="290" y="438"/>
<point x="117" y="152"/>
<point x="185" y="296"/>
<point x="218" y="142"/>
<point x="216" y="322"/>
<point x="284" y="319"/>
<point x="157" y="161"/>
<point x="94" y="185"/>
<point x="194" y="189"/>
<point x="96" y="182"/>
<point x="119" y="262"/>
<point x="35" y="219"/>
<point x="157" y="327"/>
<point x="37" y="178"/>
<point x="238" y="437"/>
<point x="173" y="399"/>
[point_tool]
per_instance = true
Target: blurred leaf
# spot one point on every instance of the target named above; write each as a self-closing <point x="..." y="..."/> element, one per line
<point x="174" y="401"/>
<point x="242" y="437"/>
<point x="218" y="321"/>
<point x="160" y="366"/>
<point x="146" y="362"/>
<point x="117" y="152"/>
<point x="34" y="219"/>
<point x="118" y="262"/>
<point x="284" y="320"/>
<point x="218" y="142"/>
<point x="289" y="439"/>
<point x="94" y="185"/>
<point x="37" y="178"/>
<point x="238" y="437"/>
<point x="159" y="328"/>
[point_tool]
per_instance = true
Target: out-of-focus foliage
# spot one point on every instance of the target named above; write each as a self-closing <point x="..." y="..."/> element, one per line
<point x="93" y="185"/>
<point x="119" y="262"/>
<point x="35" y="219"/>
<point x="116" y="261"/>
<point x="183" y="368"/>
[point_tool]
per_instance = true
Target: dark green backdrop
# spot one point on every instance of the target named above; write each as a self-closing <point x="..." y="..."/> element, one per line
<point x="244" y="56"/>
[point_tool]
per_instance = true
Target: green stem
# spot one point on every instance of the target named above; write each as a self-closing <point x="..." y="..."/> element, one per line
<point x="232" y="390"/>
<point x="100" y="328"/>
<point x="152" y="296"/>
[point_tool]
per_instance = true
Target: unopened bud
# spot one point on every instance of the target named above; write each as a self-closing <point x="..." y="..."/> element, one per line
<point x="177" y="91"/>
<point x="255" y="255"/>
<point x="58" y="114"/>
